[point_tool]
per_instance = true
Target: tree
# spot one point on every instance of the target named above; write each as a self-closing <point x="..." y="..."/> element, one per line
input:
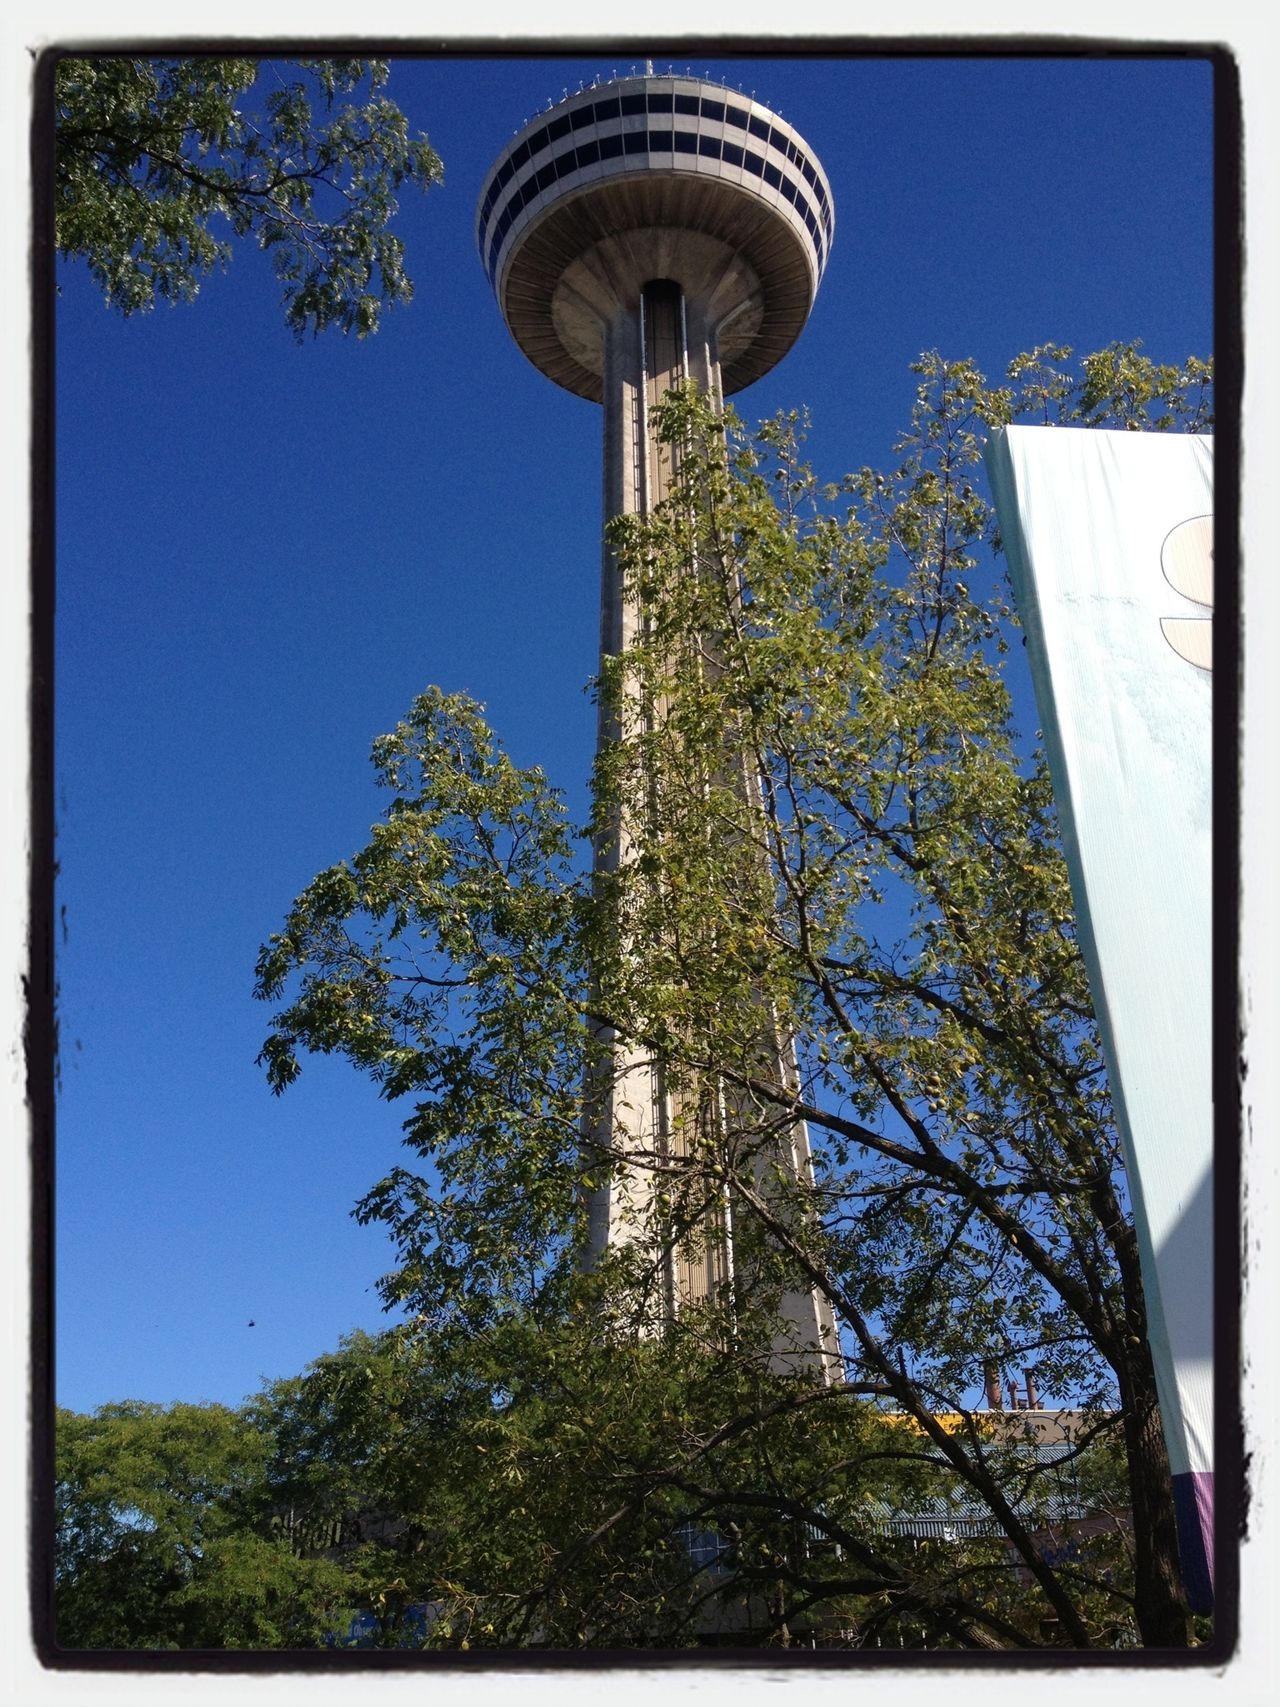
<point x="266" y="1526"/>
<point x="156" y="1544"/>
<point x="540" y="1483"/>
<point x="840" y="829"/>
<point x="364" y="1469"/>
<point x="151" y="155"/>
<point x="618" y="1490"/>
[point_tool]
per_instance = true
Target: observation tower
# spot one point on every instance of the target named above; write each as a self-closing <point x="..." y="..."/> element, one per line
<point x="648" y="230"/>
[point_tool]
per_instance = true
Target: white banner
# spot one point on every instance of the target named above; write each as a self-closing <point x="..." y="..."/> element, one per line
<point x="1109" y="538"/>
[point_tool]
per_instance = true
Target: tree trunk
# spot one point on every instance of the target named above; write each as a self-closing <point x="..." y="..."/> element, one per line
<point x="1159" y="1604"/>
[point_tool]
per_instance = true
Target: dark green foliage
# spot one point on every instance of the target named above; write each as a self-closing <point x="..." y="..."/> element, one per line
<point x="159" y="162"/>
<point x="157" y="1544"/>
<point x="556" y="1484"/>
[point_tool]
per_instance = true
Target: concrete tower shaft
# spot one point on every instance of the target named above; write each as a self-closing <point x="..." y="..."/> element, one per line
<point x="646" y="231"/>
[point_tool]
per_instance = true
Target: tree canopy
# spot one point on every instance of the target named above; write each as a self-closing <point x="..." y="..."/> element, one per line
<point x="156" y="1545"/>
<point x="832" y="821"/>
<point x="160" y="162"/>
<point x="544" y="1484"/>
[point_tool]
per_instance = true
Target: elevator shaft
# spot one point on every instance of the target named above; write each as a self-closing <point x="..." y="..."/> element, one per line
<point x="657" y="346"/>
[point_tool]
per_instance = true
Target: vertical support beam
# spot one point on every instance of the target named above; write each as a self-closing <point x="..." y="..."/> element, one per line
<point x="645" y="355"/>
<point x="663" y="340"/>
<point x="624" y="1111"/>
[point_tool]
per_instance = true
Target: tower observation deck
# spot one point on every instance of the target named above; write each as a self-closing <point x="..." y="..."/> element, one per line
<point x="646" y="231"/>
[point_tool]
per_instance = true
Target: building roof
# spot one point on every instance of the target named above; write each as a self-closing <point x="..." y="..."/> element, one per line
<point x="955" y="1511"/>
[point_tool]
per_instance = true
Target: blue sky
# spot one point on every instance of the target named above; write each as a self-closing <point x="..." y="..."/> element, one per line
<point x="265" y="551"/>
